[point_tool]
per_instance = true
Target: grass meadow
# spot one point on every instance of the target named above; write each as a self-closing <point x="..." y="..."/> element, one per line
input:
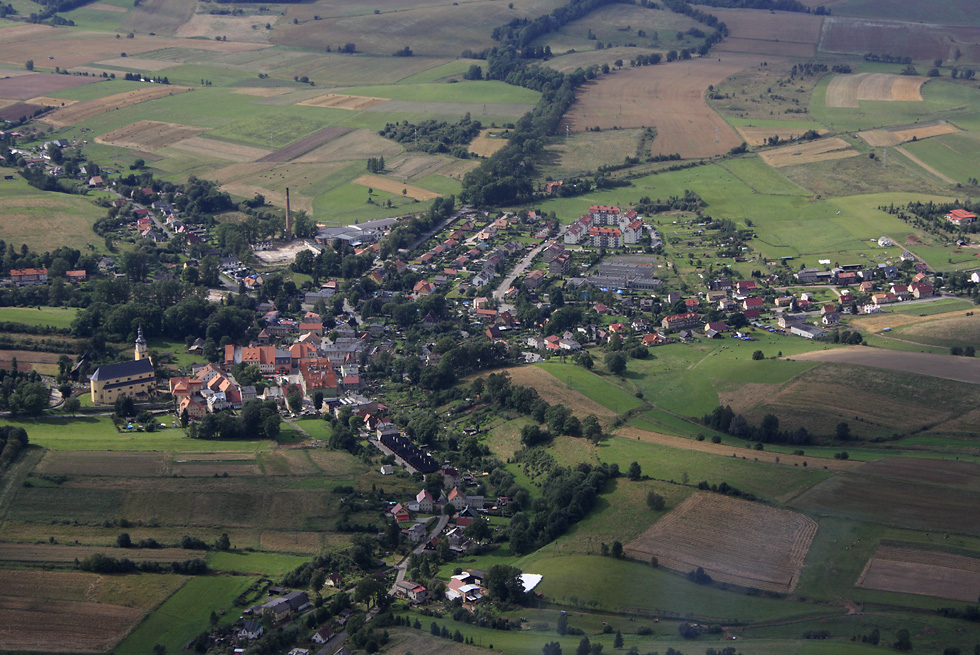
<point x="43" y="220"/>
<point x="954" y="155"/>
<point x="57" y="317"/>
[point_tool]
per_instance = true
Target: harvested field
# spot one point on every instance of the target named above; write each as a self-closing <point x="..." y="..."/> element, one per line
<point x="918" y="40"/>
<point x="755" y="31"/>
<point x="212" y="469"/>
<point x="111" y="463"/>
<point x="888" y="501"/>
<point x="669" y="98"/>
<point x="29" y="360"/>
<point x="137" y="63"/>
<point x="358" y="144"/>
<point x="237" y="28"/>
<point x="847" y="90"/>
<point x="895" y="137"/>
<point x="923" y="572"/>
<point x="945" y="472"/>
<point x="101" y="6"/>
<point x="736" y="451"/>
<point x="395" y="187"/>
<point x="29" y="625"/>
<point x="23" y="87"/>
<point x="19" y="111"/>
<point x="339" y="101"/>
<point x="807" y="153"/>
<point x="964" y="369"/>
<point x="148" y="135"/>
<point x="51" y="102"/>
<point x="263" y="91"/>
<point x="735" y="541"/>
<point x="220" y="149"/>
<point x="756" y="136"/>
<point x="554" y="391"/>
<point x="487" y="143"/>
<point x="89" y="108"/>
<point x="26" y="33"/>
<point x="949" y="329"/>
<point x="409" y="167"/>
<point x="306" y="144"/>
<point x="58" y="553"/>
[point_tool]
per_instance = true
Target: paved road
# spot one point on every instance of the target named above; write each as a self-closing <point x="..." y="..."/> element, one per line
<point x="438" y="228"/>
<point x="517" y="271"/>
<point x="403" y="565"/>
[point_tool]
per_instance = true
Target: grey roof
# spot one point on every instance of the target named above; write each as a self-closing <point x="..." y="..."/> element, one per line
<point x="123" y="370"/>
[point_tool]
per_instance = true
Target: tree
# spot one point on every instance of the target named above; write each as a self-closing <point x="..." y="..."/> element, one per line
<point x="616" y="363"/>
<point x="159" y="649"/>
<point x="843" y="431"/>
<point x="29" y="64"/>
<point x="223" y="543"/>
<point x="551" y="648"/>
<point x="757" y="355"/>
<point x="903" y="640"/>
<point x="123" y="540"/>
<point x="617" y="550"/>
<point x="618" y="641"/>
<point x="584" y="647"/>
<point x="655" y="501"/>
<point x="634" y="472"/>
<point x="562" y="627"/>
<point x="72" y="405"/>
<point x="475" y="72"/>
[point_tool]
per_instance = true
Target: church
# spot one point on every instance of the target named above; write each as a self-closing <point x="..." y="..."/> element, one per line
<point x="132" y="379"/>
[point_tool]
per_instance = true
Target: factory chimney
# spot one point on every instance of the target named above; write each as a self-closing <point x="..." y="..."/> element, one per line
<point x="289" y="220"/>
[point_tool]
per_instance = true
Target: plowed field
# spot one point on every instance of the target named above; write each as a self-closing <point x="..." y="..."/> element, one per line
<point x="148" y="135"/>
<point x="734" y="541"/>
<point x="922" y="572"/>
<point x="806" y="153"/>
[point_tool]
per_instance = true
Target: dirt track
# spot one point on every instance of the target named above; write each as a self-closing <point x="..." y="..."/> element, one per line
<point x="963" y="369"/>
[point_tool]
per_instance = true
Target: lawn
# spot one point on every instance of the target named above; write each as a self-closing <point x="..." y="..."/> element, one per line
<point x="185" y="614"/>
<point x="98" y="433"/>
<point x="315" y="427"/>
<point x="57" y="317"/>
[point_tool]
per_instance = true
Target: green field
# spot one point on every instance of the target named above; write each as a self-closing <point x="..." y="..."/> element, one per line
<point x="185" y="614"/>
<point x="598" y="388"/>
<point x="269" y="564"/>
<point x="44" y="220"/>
<point x="58" y="317"/>
<point x="954" y="155"/>
<point x="89" y="433"/>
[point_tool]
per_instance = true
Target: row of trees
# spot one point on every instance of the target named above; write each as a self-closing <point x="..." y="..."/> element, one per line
<point x="257" y="420"/>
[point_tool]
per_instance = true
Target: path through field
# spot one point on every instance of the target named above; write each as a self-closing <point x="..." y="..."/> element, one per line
<point x="915" y="160"/>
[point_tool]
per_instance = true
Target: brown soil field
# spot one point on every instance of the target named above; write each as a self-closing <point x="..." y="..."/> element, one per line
<point x="899" y="503"/>
<point x="735" y="541"/>
<point x="51" y="102"/>
<point x="395" y="187"/>
<point x="410" y="167"/>
<point x="194" y="456"/>
<point x="945" y="472"/>
<point x="667" y="97"/>
<point x="760" y="31"/>
<point x="920" y="41"/>
<point x="358" y="144"/>
<point x="58" y="553"/>
<point x="101" y="6"/>
<point x="28" y="360"/>
<point x="263" y="91"/>
<point x="339" y="101"/>
<point x="160" y="16"/>
<point x="736" y="452"/>
<point x="847" y="90"/>
<point x="220" y="149"/>
<point x="148" y="135"/>
<point x="136" y="63"/>
<point x="306" y="144"/>
<point x="27" y="624"/>
<point x="113" y="463"/>
<point x="922" y="572"/>
<point x="208" y="469"/>
<point x="19" y="110"/>
<point x="964" y="369"/>
<point x="926" y="131"/>
<point x="756" y="136"/>
<point x="809" y="152"/>
<point x="6" y="102"/>
<point x="915" y="160"/>
<point x="23" y="87"/>
<point x="554" y="391"/>
<point x="89" y="108"/>
<point x="485" y="144"/>
<point x="26" y="33"/>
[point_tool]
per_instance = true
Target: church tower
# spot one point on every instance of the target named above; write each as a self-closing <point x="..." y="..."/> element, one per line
<point x="141" y="345"/>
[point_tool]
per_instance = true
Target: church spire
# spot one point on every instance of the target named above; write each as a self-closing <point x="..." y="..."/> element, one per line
<point x="140" y="344"/>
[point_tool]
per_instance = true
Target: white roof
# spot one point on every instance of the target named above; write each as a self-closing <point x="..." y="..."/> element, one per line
<point x="530" y="581"/>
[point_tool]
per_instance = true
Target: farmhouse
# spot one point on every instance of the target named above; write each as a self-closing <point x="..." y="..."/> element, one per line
<point x="680" y="321"/>
<point x="129" y="379"/>
<point x="961" y="217"/>
<point x="412" y="591"/>
<point x="28" y="276"/>
<point x="250" y="630"/>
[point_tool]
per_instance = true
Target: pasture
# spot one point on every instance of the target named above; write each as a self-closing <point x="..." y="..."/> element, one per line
<point x="37" y="608"/>
<point x="943" y="331"/>
<point x="45" y="221"/>
<point x="952" y="157"/>
<point x="57" y="317"/>
<point x="586" y="151"/>
<point x="668" y="97"/>
<point x="923" y="572"/>
<point x="735" y="541"/>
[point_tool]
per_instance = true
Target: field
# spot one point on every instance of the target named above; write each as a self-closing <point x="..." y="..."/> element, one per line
<point x="148" y="135"/>
<point x="769" y="33"/>
<point x="756" y="136"/>
<point x="735" y="541"/>
<point x="205" y="147"/>
<point x="669" y="98"/>
<point x="948" y="156"/>
<point x="943" y="331"/>
<point x="489" y="142"/>
<point x="950" y="473"/>
<point x="923" y="572"/>
<point x="808" y="152"/>
<point x="920" y="41"/>
<point x="59" y="317"/>
<point x="45" y="220"/>
<point x="395" y="187"/>
<point x="299" y="148"/>
<point x="24" y="87"/>
<point x="37" y="608"/>
<point x="847" y="90"/>
<point x="340" y="101"/>
<point x="586" y="151"/>
<point x="963" y="369"/>
<point x="894" y="137"/>
<point x="81" y="111"/>
<point x="19" y="111"/>
<point x="893" y="502"/>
